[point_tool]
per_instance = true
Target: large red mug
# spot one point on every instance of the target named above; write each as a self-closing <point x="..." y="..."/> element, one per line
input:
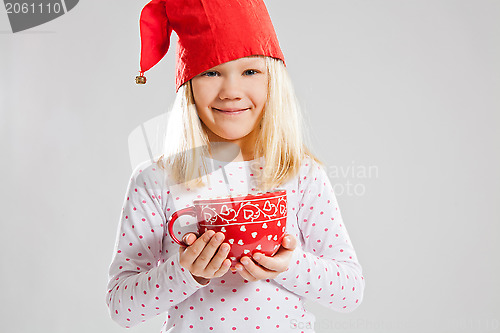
<point x="250" y="223"/>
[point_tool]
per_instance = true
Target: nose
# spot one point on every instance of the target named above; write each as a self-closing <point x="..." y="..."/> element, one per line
<point x="230" y="88"/>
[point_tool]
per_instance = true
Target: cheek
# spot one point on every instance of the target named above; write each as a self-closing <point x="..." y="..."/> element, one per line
<point x="259" y="96"/>
<point x="204" y="115"/>
<point x="200" y="94"/>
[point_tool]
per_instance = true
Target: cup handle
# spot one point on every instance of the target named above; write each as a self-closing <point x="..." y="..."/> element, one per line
<point x="186" y="211"/>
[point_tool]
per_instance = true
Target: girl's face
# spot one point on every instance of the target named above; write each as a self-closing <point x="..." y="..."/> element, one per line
<point x="230" y="99"/>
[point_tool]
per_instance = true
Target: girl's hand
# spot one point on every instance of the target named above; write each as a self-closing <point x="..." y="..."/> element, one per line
<point x="266" y="267"/>
<point x="205" y="257"/>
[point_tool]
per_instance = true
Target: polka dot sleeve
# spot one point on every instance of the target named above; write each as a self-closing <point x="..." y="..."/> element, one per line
<point x="324" y="267"/>
<point x="141" y="284"/>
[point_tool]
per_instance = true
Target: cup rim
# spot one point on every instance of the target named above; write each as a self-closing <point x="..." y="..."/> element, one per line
<point x="240" y="197"/>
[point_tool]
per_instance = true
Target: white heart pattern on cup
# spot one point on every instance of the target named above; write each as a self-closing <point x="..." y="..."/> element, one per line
<point x="224" y="210"/>
<point x="208" y="216"/>
<point x="243" y="228"/>
<point x="254" y="234"/>
<point x="247" y="214"/>
<point x="259" y="247"/>
<point x="240" y="242"/>
<point x="246" y="251"/>
<point x="231" y="241"/>
<point x="223" y="229"/>
<point x="269" y="237"/>
<point x="264" y="226"/>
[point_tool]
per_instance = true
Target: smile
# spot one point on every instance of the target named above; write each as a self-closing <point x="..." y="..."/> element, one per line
<point x="231" y="112"/>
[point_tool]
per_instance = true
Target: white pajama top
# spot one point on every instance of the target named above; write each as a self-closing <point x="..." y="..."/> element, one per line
<point x="146" y="278"/>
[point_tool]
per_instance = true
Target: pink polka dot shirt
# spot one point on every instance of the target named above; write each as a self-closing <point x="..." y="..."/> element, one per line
<point x="146" y="278"/>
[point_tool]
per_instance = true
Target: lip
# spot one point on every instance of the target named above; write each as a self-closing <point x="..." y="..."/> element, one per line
<point x="231" y="111"/>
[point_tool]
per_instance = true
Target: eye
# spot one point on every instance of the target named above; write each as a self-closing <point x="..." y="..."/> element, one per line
<point x="209" y="74"/>
<point x="251" y="71"/>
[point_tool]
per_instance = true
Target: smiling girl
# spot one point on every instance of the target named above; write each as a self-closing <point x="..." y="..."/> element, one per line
<point x="233" y="90"/>
<point x="230" y="99"/>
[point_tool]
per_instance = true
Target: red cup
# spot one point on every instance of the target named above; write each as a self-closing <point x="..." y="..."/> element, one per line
<point x="251" y="223"/>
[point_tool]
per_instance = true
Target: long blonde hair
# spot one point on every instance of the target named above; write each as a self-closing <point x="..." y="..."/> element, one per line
<point x="280" y="140"/>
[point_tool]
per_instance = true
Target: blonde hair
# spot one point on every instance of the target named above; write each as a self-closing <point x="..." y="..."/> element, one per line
<point x="280" y="140"/>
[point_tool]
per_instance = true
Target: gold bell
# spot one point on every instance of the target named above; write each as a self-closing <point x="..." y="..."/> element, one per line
<point x="141" y="79"/>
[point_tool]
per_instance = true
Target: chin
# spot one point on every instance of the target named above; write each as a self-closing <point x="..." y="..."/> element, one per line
<point x="231" y="136"/>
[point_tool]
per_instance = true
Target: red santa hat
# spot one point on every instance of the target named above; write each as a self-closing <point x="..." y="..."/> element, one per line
<point x="210" y="32"/>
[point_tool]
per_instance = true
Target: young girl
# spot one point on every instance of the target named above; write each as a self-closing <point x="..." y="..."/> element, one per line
<point x="232" y="91"/>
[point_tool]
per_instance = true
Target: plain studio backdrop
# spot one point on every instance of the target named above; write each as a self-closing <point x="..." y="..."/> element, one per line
<point x="401" y="99"/>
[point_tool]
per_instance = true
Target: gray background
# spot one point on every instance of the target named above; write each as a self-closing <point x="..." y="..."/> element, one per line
<point x="408" y="88"/>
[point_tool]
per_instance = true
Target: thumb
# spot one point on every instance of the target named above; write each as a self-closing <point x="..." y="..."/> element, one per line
<point x="289" y="242"/>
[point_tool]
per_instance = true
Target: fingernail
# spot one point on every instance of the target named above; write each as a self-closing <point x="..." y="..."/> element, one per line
<point x="244" y="261"/>
<point x="257" y="256"/>
<point x="218" y="237"/>
<point x="239" y="268"/>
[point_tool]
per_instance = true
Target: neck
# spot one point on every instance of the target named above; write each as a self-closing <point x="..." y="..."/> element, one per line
<point x="242" y="149"/>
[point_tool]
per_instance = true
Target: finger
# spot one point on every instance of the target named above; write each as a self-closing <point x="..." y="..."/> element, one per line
<point x="272" y="264"/>
<point x="223" y="268"/>
<point x="289" y="242"/>
<point x="193" y="251"/>
<point x="219" y="259"/>
<point x="244" y="273"/>
<point x="188" y="239"/>
<point x="288" y="245"/>
<point x="255" y="270"/>
<point x="208" y="252"/>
